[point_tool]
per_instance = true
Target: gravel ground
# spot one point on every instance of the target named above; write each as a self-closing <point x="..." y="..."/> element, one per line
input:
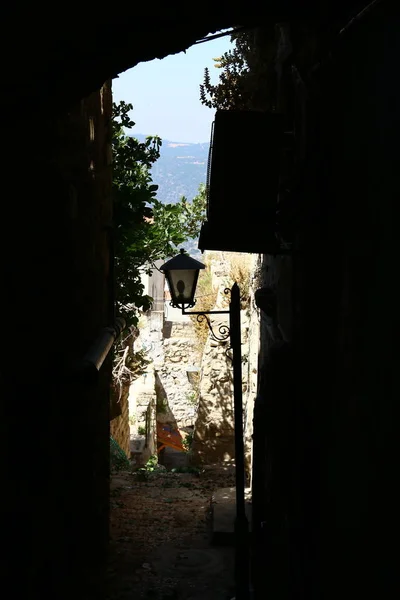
<point x="160" y="538"/>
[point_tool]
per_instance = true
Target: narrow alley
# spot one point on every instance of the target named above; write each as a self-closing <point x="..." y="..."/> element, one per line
<point x="279" y="151"/>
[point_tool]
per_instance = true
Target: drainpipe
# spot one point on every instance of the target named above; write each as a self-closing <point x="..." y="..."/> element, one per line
<point x="89" y="367"/>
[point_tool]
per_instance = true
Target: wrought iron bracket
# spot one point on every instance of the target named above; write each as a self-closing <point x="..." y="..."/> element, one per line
<point x="202" y="315"/>
<point x="223" y="330"/>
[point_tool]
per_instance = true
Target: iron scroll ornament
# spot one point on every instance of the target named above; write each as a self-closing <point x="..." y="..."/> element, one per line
<point x="223" y="330"/>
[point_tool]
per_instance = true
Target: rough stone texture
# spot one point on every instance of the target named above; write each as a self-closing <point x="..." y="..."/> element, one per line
<point x="214" y="430"/>
<point x="173" y="348"/>
<point x="142" y="392"/>
<point x="119" y="427"/>
<point x="144" y="445"/>
<point x="250" y="367"/>
<point x="214" y="433"/>
<point x="224" y="514"/>
<point x="174" y="387"/>
<point x="142" y="413"/>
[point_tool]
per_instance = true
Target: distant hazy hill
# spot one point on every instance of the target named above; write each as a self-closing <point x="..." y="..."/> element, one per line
<point x="179" y="170"/>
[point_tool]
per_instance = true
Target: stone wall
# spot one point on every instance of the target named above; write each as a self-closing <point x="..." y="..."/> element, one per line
<point x="251" y="365"/>
<point x="207" y="402"/>
<point x="61" y="276"/>
<point x="181" y="352"/>
<point x="169" y="387"/>
<point x="214" y="429"/>
<point x="142" y="414"/>
<point x="119" y="426"/>
<point x="142" y="392"/>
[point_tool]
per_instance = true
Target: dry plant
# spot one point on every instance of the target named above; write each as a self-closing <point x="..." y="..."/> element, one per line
<point x="239" y="271"/>
<point x="128" y="365"/>
<point x="206" y="297"/>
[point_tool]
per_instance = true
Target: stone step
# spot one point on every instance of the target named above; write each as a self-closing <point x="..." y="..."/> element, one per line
<point x="224" y="513"/>
<point x="137" y="443"/>
<point x="174" y="458"/>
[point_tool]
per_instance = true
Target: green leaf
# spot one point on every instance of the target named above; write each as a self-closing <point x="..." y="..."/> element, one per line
<point x="145" y="229"/>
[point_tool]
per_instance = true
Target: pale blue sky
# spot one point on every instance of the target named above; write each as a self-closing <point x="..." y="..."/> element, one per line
<point x="165" y="93"/>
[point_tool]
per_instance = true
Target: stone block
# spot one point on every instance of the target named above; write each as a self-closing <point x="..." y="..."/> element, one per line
<point x="224" y="513"/>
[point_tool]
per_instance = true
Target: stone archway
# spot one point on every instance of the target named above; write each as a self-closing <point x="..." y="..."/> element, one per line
<point x="54" y="256"/>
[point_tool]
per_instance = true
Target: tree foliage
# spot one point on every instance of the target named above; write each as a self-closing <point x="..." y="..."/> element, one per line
<point x="231" y="91"/>
<point x="245" y="77"/>
<point x="145" y="229"/>
<point x="194" y="212"/>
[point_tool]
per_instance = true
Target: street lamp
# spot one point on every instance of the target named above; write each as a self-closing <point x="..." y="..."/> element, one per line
<point x="182" y="273"/>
